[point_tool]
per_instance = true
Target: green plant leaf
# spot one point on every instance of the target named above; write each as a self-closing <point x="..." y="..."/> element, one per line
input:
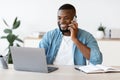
<point x="3" y="37"/>
<point x="16" y="23"/>
<point x="19" y="40"/>
<point x="7" y="30"/>
<point x="17" y="45"/>
<point x="11" y="38"/>
<point x="5" y="23"/>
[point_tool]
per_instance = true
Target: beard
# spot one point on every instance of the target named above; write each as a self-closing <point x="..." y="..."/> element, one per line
<point x="63" y="31"/>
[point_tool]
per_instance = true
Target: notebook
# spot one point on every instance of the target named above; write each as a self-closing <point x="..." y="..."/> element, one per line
<point x="30" y="59"/>
<point x="91" y="69"/>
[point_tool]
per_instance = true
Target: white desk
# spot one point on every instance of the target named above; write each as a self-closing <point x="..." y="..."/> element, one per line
<point x="63" y="73"/>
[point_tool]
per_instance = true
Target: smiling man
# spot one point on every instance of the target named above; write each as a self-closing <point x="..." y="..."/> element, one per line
<point x="68" y="44"/>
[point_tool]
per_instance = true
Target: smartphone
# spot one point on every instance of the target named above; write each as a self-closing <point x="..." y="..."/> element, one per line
<point x="74" y="19"/>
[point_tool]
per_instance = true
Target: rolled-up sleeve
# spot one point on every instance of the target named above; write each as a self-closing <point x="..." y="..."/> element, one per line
<point x="95" y="53"/>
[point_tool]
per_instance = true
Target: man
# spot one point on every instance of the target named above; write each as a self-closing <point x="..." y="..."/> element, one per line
<point x="68" y="44"/>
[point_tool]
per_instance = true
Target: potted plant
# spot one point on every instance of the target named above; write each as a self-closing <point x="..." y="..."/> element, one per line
<point x="101" y="28"/>
<point x="100" y="32"/>
<point x="11" y="37"/>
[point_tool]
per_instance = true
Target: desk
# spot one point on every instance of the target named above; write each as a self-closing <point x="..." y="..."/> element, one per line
<point x="64" y="73"/>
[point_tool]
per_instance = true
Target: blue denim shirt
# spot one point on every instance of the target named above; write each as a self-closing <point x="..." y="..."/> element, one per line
<point x="51" y="42"/>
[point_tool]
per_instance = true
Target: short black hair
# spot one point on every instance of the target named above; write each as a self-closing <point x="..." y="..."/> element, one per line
<point x="68" y="7"/>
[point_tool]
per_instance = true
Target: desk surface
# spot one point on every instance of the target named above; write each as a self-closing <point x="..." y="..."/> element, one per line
<point x="63" y="73"/>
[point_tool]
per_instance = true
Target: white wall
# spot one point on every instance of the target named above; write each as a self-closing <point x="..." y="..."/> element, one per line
<point x="41" y="15"/>
<point x="37" y="15"/>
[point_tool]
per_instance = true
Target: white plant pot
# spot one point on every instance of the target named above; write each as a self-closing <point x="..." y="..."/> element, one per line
<point x="99" y="35"/>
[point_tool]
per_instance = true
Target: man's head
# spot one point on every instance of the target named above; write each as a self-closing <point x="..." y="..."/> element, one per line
<point x="66" y="13"/>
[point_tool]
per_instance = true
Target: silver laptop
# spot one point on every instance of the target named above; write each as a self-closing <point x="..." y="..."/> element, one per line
<point x="30" y="59"/>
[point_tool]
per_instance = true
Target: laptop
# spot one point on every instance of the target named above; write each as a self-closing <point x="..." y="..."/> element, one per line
<point x="30" y="59"/>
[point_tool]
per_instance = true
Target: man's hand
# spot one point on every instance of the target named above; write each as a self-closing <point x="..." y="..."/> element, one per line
<point x="73" y="29"/>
